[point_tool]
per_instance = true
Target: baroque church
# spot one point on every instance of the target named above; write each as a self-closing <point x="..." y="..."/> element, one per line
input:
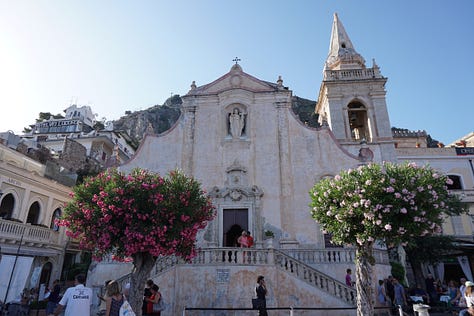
<point x="239" y="137"/>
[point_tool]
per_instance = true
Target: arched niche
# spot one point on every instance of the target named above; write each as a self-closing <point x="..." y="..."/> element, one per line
<point x="236" y="117"/>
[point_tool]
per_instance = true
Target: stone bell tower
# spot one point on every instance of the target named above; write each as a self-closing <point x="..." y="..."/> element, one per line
<point x="351" y="99"/>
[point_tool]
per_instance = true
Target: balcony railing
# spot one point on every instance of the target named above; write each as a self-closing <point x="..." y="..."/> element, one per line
<point x="12" y="232"/>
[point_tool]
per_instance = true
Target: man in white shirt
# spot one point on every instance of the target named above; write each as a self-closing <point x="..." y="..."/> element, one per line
<point x="77" y="299"/>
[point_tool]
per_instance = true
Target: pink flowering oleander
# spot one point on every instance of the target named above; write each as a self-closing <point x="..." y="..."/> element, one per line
<point x="141" y="212"/>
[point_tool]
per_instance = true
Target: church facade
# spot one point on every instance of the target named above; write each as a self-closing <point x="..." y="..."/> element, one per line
<point x="240" y="138"/>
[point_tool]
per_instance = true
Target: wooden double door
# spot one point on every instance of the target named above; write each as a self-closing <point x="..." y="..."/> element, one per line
<point x="234" y="222"/>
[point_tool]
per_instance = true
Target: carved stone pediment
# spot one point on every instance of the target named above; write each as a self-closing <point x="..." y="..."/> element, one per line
<point x="236" y="78"/>
<point x="237" y="193"/>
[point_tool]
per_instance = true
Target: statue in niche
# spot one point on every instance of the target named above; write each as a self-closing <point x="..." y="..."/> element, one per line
<point x="236" y="123"/>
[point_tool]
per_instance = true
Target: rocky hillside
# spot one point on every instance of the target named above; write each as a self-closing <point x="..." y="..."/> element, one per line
<point x="162" y="117"/>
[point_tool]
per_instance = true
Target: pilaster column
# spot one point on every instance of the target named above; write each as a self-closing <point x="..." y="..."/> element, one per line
<point x="188" y="139"/>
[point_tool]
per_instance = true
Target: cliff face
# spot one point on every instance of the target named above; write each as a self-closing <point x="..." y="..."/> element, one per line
<point x="162" y="117"/>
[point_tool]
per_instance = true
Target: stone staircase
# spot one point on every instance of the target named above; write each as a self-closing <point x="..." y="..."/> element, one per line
<point x="297" y="263"/>
<point x="312" y="276"/>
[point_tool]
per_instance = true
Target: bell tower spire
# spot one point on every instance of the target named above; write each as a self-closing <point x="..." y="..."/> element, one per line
<point x="342" y="54"/>
<point x="351" y="99"/>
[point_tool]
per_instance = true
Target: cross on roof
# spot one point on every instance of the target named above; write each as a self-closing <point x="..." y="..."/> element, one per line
<point x="236" y="59"/>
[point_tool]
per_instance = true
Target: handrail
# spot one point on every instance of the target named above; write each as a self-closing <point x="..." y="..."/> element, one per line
<point x="315" y="278"/>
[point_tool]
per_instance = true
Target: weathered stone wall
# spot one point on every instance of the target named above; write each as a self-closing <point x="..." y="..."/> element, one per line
<point x="74" y="155"/>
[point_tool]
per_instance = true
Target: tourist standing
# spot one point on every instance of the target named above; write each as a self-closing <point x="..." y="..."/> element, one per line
<point x="146" y="295"/>
<point x="469" y="295"/>
<point x="250" y="239"/>
<point x="53" y="298"/>
<point x="77" y="299"/>
<point x="390" y="289"/>
<point x="261" y="291"/>
<point x="381" y="295"/>
<point x="349" y="281"/>
<point x="243" y="240"/>
<point x="399" y="290"/>
<point x="430" y="284"/>
<point x="153" y="299"/>
<point x="114" y="299"/>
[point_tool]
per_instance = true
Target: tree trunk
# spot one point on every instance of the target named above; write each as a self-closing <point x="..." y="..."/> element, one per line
<point x="364" y="284"/>
<point x="418" y="273"/>
<point x="143" y="263"/>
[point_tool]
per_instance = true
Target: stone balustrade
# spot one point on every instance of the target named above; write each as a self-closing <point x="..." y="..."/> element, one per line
<point x="315" y="278"/>
<point x="283" y="260"/>
<point x="334" y="255"/>
<point x="351" y="74"/>
<point x="12" y="232"/>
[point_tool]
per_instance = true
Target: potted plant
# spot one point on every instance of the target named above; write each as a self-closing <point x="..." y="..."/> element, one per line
<point x="269" y="235"/>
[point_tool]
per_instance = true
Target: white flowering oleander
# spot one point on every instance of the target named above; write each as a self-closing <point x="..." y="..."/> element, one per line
<point x="388" y="202"/>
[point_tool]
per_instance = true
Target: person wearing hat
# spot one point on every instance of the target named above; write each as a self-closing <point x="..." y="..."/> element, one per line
<point x="469" y="300"/>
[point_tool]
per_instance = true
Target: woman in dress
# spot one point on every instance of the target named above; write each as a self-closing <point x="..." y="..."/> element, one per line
<point x="381" y="295"/>
<point x="153" y="299"/>
<point x="454" y="293"/>
<point x="114" y="299"/>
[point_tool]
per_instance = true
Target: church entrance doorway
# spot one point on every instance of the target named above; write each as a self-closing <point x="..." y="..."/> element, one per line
<point x="235" y="220"/>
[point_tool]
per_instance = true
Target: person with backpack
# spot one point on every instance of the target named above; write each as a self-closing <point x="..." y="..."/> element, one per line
<point x="114" y="299"/>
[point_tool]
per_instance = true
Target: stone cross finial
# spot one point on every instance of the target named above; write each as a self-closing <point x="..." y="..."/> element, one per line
<point x="236" y="59"/>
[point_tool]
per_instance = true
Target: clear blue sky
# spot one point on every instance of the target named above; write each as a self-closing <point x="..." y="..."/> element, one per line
<point x="129" y="55"/>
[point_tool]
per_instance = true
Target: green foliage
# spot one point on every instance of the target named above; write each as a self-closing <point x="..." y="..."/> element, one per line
<point x="304" y="109"/>
<point x="75" y="269"/>
<point x="390" y="202"/>
<point x="38" y="304"/>
<point x="269" y="234"/>
<point x="124" y="215"/>
<point x="47" y="115"/>
<point x="398" y="271"/>
<point x="98" y="126"/>
<point x="429" y="249"/>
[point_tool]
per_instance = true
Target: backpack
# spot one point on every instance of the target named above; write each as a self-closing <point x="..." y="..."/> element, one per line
<point x="126" y="309"/>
